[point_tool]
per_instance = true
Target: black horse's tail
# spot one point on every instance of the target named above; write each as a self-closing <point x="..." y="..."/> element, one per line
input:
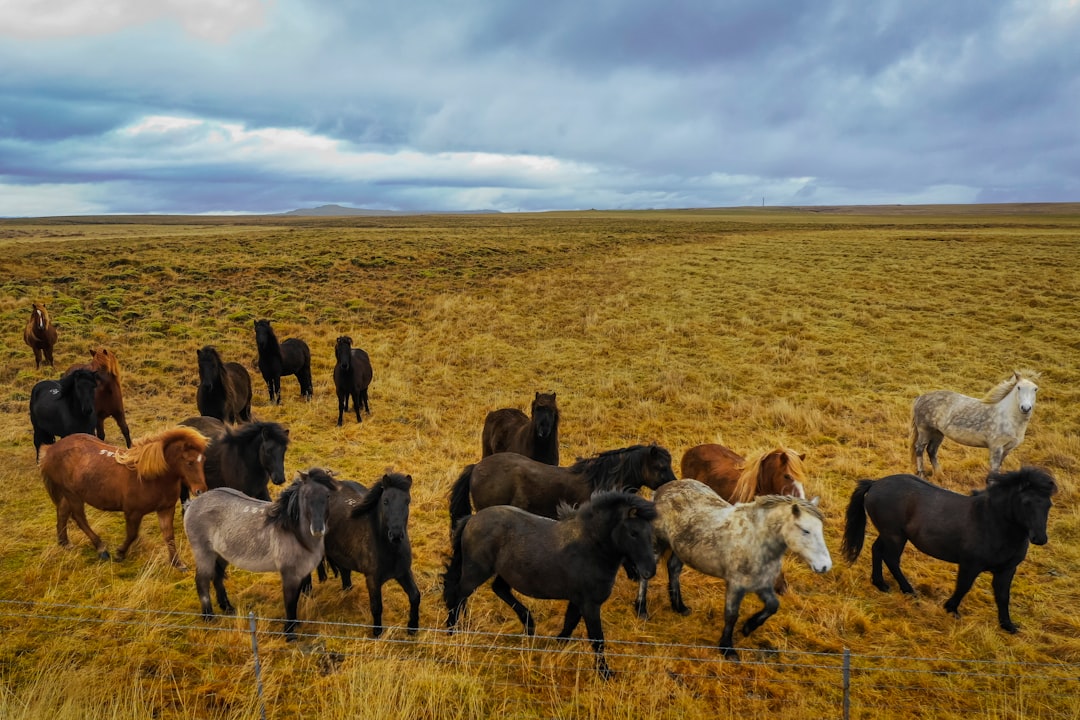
<point x="460" y="506"/>
<point x="855" y="522"/>
<point x="451" y="577"/>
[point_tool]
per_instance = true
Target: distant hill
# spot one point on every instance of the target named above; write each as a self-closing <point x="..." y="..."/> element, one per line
<point x="342" y="211"/>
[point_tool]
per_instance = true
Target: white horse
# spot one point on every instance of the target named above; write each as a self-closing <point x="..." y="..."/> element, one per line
<point x="997" y="422"/>
<point x="741" y="543"/>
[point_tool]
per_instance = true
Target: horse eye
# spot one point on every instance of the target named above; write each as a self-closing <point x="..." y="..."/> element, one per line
<point x="805" y="531"/>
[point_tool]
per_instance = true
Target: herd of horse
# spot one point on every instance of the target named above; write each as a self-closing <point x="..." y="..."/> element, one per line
<point x="517" y="517"/>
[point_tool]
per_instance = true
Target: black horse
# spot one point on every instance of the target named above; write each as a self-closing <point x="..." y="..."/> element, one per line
<point x="509" y="430"/>
<point x="246" y="458"/>
<point x="352" y="375"/>
<point x="63" y="407"/>
<point x="224" y="388"/>
<point x="575" y="559"/>
<point x="290" y="357"/>
<point x="987" y="531"/>
<point x="368" y="533"/>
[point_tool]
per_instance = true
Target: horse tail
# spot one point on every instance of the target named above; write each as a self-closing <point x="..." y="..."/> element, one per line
<point x="451" y="577"/>
<point x="460" y="506"/>
<point x="855" y="522"/>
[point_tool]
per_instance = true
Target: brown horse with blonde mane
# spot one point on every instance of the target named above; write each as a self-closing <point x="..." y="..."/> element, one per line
<point x="80" y="469"/>
<point x="40" y="335"/>
<point x="108" y="400"/>
<point x="776" y="472"/>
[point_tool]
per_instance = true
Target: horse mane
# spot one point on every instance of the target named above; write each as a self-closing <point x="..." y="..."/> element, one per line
<point x="44" y="313"/>
<point x="146" y="456"/>
<point x="285" y="511"/>
<point x="249" y="431"/>
<point x="746" y="486"/>
<point x="1003" y="388"/>
<point x="265" y="334"/>
<point x="600" y="469"/>
<point x="389" y="481"/>
<point x="605" y="501"/>
<point x="1027" y="478"/>
<point x="106" y="361"/>
<point x="770" y="501"/>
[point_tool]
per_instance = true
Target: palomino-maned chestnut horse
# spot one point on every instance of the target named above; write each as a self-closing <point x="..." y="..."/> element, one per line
<point x="40" y="335"/>
<point x="63" y="407"/>
<point x="108" y="400"/>
<point x="997" y="422"/>
<point x="511" y="479"/>
<point x="80" y="469"/>
<point x="574" y="558"/>
<point x="225" y="526"/>
<point x="368" y="532"/>
<point x="741" y="543"/>
<point x="290" y="357"/>
<point x="987" y="531"/>
<point x="509" y="430"/>
<point x="352" y="376"/>
<point x="224" y="388"/>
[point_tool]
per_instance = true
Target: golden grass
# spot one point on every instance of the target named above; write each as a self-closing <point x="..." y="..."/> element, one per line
<point x="811" y="329"/>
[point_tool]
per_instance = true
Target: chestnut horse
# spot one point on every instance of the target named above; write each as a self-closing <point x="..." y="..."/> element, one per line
<point x="40" y="335"/>
<point x="108" y="400"/>
<point x="80" y="469"/>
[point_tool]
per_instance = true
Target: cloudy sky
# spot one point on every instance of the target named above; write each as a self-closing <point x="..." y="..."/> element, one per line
<point x="197" y="106"/>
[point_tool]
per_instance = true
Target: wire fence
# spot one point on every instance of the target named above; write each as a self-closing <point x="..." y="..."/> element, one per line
<point x="522" y="662"/>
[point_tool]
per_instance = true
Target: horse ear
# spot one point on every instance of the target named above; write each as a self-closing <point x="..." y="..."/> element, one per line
<point x="816" y="499"/>
<point x="300" y="475"/>
<point x="537" y="397"/>
<point x="801" y="455"/>
<point x="795" y="509"/>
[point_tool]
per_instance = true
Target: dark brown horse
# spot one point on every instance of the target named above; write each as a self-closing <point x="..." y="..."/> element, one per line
<point x="289" y="357"/>
<point x="776" y="472"/>
<point x="513" y="479"/>
<point x="352" y="376"/>
<point x="211" y="427"/>
<point x="108" y="400"/>
<point x="987" y="531"/>
<point x="62" y="407"/>
<point x="80" y="469"/>
<point x="509" y="430"/>
<point x="224" y="388"/>
<point x="40" y="335"/>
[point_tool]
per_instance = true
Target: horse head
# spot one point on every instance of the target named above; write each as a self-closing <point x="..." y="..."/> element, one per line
<point x="189" y="462"/>
<point x="39" y="316"/>
<point x="307" y="502"/>
<point x="210" y="366"/>
<point x="84" y="384"/>
<point x="782" y="473"/>
<point x="803" y="533"/>
<point x="625" y="521"/>
<point x="545" y="414"/>
<point x="394" y="505"/>
<point x="657" y="468"/>
<point x="1025" y="495"/>
<point x="1025" y="394"/>
<point x="343" y="352"/>
<point x="274" y="443"/>
<point x="264" y="335"/>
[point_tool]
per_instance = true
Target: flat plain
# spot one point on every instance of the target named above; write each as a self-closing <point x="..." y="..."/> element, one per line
<point x="812" y="328"/>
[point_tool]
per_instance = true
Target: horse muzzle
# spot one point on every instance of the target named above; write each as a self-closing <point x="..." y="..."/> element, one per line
<point x="1038" y="538"/>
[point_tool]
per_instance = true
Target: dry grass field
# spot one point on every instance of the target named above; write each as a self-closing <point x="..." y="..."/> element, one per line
<point x="811" y="328"/>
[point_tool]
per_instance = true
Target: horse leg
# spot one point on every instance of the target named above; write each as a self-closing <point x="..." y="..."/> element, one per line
<point x="374" y="588"/>
<point x="997" y="457"/>
<point x="936" y="439"/>
<point x="591" y="612"/>
<point x="918" y="447"/>
<point x="780" y="586"/>
<point x="502" y="590"/>
<point x="101" y="427"/>
<point x="290" y="589"/>
<point x="889" y="552"/>
<point x="37" y="358"/>
<point x="342" y="406"/>
<point x="364" y="397"/>
<point x="78" y="513"/>
<point x="408" y="584"/>
<point x="772" y="604"/>
<point x="965" y="578"/>
<point x="165" y="521"/>
<point x="121" y="421"/>
<point x="276" y="392"/>
<point x="346" y="579"/>
<point x="732" y="603"/>
<point x="473" y="576"/>
<point x="641" y="603"/>
<point x="63" y="514"/>
<point x="877" y="578"/>
<point x="674" y="569"/>
<point x="356" y="405"/>
<point x="203" y="577"/>
<point x="132" y="522"/>
<point x="570" y="621"/>
<point x="219" y="588"/>
<point x="1002" y="584"/>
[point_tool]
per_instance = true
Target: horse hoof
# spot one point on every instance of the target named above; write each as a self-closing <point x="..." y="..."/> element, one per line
<point x="1010" y="628"/>
<point x="180" y="566"/>
<point x="883" y="586"/>
<point x="729" y="654"/>
<point x="376" y="631"/>
<point x="104" y="555"/>
<point x="684" y="610"/>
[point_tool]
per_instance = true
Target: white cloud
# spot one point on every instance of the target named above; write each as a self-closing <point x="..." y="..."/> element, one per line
<point x="49" y="199"/>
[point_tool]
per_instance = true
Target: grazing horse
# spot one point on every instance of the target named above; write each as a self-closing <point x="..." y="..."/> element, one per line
<point x="369" y="533"/>
<point x="286" y="536"/>
<point x="108" y="400"/>
<point x="509" y="430"/>
<point x="987" y="531"/>
<point x="224" y="388"/>
<point x="62" y="407"/>
<point x="741" y="543"/>
<point x="290" y="357"/>
<point x="997" y="422"/>
<point x="40" y="335"/>
<point x="575" y="558"/>
<point x="247" y="458"/>
<point x="512" y="479"/>
<point x="146" y="478"/>
<point x="352" y="375"/>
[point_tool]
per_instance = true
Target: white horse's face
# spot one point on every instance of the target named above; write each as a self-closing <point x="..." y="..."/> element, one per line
<point x="1025" y="395"/>
<point x="805" y="537"/>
